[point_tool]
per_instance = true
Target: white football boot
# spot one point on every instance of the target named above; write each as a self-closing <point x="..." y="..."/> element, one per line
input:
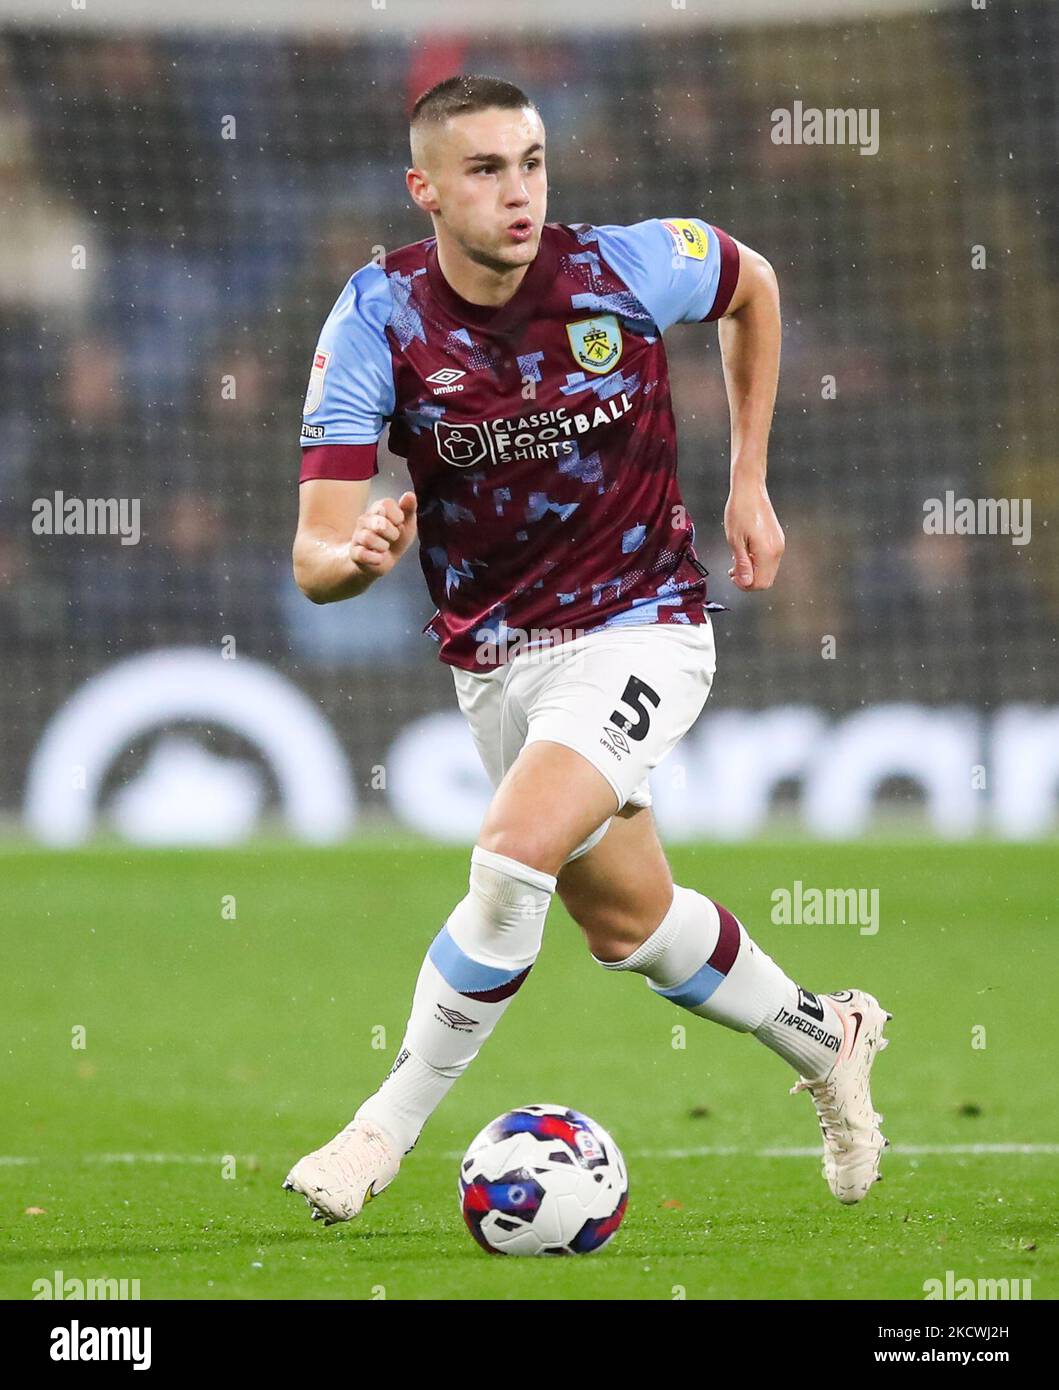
<point x="853" y="1143"/>
<point x="340" y="1179"/>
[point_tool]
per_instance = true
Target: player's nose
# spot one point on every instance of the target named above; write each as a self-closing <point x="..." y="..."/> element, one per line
<point x="515" y="192"/>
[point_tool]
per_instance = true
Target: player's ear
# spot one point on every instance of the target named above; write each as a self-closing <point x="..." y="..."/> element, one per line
<point x="420" y="189"/>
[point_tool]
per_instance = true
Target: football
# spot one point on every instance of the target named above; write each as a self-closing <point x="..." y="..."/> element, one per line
<point x="543" y="1180"/>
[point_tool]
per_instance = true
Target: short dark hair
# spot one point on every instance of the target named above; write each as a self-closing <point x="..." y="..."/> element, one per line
<point x="466" y="92"/>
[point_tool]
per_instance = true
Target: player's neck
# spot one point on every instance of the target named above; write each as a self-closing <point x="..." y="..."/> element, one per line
<point x="475" y="283"/>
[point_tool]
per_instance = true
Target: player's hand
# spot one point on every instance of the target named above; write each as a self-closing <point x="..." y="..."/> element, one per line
<point x="755" y="535"/>
<point x="382" y="534"/>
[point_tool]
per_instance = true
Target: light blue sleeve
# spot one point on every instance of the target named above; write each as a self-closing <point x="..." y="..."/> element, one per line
<point x="351" y="388"/>
<point x="671" y="264"/>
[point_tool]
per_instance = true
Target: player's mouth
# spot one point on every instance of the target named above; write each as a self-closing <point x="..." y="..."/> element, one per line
<point x="521" y="230"/>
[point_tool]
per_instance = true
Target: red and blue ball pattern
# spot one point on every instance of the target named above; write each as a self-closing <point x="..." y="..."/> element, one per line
<point x="543" y="1180"/>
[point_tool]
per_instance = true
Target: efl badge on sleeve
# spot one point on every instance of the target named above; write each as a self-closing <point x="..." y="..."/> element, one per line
<point x="688" y="238"/>
<point x="595" y="343"/>
<point x="315" y="393"/>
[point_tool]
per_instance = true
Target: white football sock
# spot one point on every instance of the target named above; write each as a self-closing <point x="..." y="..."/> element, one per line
<point x="701" y="958"/>
<point x="474" y="967"/>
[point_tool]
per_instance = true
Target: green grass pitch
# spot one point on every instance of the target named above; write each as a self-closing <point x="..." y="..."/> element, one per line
<point x="207" y="1037"/>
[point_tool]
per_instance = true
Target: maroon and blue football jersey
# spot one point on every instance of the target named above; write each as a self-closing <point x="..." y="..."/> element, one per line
<point x="539" y="436"/>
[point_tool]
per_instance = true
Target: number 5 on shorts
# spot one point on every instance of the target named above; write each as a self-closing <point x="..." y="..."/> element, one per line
<point x="636" y="691"/>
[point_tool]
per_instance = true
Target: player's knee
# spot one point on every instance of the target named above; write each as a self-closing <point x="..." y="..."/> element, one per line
<point x="533" y="847"/>
<point x="616" y="943"/>
<point x="611" y="933"/>
<point x="502" y="917"/>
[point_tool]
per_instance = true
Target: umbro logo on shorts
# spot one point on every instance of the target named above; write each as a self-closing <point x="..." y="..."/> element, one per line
<point x="616" y="738"/>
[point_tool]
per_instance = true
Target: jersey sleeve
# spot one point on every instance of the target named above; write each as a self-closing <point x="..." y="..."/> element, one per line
<point x="682" y="269"/>
<point x="351" y="390"/>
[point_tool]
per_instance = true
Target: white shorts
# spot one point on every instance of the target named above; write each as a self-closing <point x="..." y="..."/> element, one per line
<point x="622" y="697"/>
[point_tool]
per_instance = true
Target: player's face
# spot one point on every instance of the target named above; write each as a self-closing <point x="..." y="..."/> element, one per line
<point x="491" y="185"/>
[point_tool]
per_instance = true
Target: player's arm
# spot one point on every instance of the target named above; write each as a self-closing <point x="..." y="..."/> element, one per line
<point x="749" y="332"/>
<point x="342" y="545"/>
<point x="686" y="270"/>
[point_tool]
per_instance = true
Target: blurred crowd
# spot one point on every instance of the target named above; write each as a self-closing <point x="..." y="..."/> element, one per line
<point x="178" y="214"/>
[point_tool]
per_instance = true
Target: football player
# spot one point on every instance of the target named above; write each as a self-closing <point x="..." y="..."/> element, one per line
<point x="520" y="367"/>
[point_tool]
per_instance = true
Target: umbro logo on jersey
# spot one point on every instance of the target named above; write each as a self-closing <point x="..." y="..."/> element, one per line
<point x="443" y="380"/>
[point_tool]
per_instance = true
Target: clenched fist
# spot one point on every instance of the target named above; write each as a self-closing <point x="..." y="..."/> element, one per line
<point x="755" y="536"/>
<point x="382" y="534"/>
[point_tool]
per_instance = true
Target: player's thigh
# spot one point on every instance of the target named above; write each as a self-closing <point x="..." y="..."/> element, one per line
<point x="480" y="696"/>
<point x="624" y="699"/>
<point x="550" y="800"/>
<point x="619" y="891"/>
